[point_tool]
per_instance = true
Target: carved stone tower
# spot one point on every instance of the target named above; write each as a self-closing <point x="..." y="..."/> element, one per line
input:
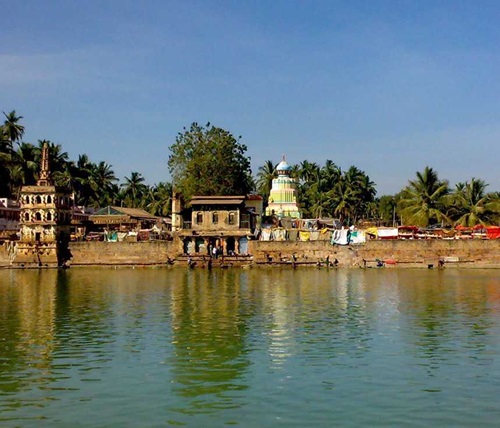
<point x="45" y="221"/>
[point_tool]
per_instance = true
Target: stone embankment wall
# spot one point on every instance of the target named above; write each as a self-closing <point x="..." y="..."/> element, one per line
<point x="410" y="253"/>
<point x="122" y="253"/>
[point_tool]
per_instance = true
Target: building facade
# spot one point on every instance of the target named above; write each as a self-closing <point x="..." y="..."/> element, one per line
<point x="222" y="222"/>
<point x="45" y="220"/>
<point x="283" y="195"/>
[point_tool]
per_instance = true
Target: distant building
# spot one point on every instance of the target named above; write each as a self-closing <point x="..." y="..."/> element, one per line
<point x="283" y="195"/>
<point x="224" y="222"/>
<point x="10" y="211"/>
<point x="121" y="218"/>
<point x="45" y="220"/>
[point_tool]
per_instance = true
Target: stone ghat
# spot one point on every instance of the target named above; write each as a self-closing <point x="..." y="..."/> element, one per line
<point x="407" y="253"/>
<point x="410" y="253"/>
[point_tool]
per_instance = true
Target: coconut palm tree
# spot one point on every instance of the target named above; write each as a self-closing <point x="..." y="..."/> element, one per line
<point x="365" y="191"/>
<point x="472" y="205"/>
<point x="102" y="178"/>
<point x="316" y="202"/>
<point x="307" y="170"/>
<point x="344" y="200"/>
<point x="81" y="180"/>
<point x="133" y="189"/>
<point x="423" y="200"/>
<point x="23" y="167"/>
<point x="5" y="166"/>
<point x="160" y="203"/>
<point x="265" y="176"/>
<point x="331" y="174"/>
<point x="12" y="130"/>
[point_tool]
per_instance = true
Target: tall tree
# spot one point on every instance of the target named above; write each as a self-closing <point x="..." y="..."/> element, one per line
<point x="12" y="130"/>
<point x="209" y="161"/>
<point x="24" y="167"/>
<point x="265" y="176"/>
<point x="134" y="189"/>
<point x="471" y="205"/>
<point x="160" y="201"/>
<point x="423" y="200"/>
<point x="103" y="179"/>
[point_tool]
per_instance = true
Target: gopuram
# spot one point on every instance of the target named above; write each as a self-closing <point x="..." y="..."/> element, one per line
<point x="283" y="195"/>
<point x="45" y="220"/>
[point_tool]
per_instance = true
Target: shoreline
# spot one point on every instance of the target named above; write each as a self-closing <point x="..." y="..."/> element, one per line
<point x="401" y="254"/>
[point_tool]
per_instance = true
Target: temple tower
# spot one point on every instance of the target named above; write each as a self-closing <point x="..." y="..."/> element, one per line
<point x="45" y="221"/>
<point x="283" y="195"/>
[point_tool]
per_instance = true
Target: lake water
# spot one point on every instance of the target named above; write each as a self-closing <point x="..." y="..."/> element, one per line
<point x="253" y="348"/>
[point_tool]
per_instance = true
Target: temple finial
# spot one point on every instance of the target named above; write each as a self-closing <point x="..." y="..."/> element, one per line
<point x="45" y="176"/>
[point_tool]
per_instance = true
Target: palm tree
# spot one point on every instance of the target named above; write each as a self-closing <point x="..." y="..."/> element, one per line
<point x="81" y="180"/>
<point x="314" y="191"/>
<point x="160" y="201"/>
<point x="102" y="178"/>
<point x="5" y="166"/>
<point x="423" y="200"/>
<point x="307" y="170"/>
<point x="331" y="174"/>
<point x="342" y="199"/>
<point x="265" y="176"/>
<point x="24" y="167"/>
<point x="472" y="205"/>
<point x="365" y="191"/>
<point x="12" y="130"/>
<point x="133" y="189"/>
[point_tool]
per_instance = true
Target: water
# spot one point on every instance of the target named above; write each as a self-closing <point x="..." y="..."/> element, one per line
<point x="254" y="348"/>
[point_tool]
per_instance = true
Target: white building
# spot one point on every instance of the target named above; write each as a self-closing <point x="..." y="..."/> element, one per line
<point x="283" y="196"/>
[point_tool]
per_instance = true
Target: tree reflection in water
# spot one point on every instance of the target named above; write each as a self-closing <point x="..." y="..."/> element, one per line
<point x="209" y="329"/>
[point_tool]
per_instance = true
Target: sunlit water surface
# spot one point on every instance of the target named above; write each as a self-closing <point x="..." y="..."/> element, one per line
<point x="254" y="348"/>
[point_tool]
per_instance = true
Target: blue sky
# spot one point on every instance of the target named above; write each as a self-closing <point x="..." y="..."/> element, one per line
<point x="388" y="86"/>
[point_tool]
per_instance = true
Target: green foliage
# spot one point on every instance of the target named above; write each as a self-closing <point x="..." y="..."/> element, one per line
<point x="265" y="176"/>
<point x="328" y="192"/>
<point x="471" y="205"/>
<point x="386" y="209"/>
<point x="134" y="190"/>
<point x="423" y="202"/>
<point x="209" y="161"/>
<point x="159" y="199"/>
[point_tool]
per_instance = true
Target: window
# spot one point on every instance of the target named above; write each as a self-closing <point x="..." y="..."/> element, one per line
<point x="199" y="218"/>
<point x="215" y="218"/>
<point x="38" y="200"/>
<point x="38" y="216"/>
<point x="49" y="199"/>
<point x="49" y="217"/>
<point x="232" y="218"/>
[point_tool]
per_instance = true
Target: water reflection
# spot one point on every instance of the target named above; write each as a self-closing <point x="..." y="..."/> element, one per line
<point x="27" y="330"/>
<point x="451" y="316"/>
<point x="209" y="330"/>
<point x="254" y="347"/>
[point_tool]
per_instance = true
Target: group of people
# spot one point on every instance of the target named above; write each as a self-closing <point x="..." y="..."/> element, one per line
<point x="216" y="252"/>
